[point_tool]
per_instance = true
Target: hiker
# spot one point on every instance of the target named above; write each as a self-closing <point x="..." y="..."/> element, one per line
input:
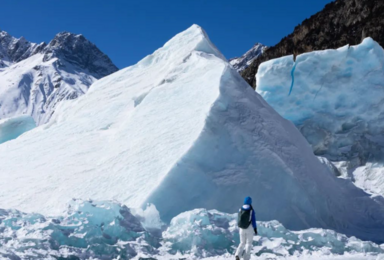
<point x="246" y="217"/>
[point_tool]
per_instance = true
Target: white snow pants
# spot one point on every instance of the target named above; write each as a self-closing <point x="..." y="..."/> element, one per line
<point x="246" y="240"/>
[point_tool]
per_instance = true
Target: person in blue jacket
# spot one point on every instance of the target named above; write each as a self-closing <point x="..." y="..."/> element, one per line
<point x="246" y="217"/>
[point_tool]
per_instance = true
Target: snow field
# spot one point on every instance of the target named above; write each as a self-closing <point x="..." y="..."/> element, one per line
<point x="34" y="87"/>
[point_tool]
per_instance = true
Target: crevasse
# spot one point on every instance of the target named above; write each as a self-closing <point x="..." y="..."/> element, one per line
<point x="293" y="78"/>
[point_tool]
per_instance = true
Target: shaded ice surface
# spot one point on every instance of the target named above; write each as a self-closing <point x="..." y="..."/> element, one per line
<point x="87" y="229"/>
<point x="202" y="232"/>
<point x="11" y="128"/>
<point x="336" y="101"/>
<point x="181" y="130"/>
<point x="369" y="176"/>
<point x="110" y="230"/>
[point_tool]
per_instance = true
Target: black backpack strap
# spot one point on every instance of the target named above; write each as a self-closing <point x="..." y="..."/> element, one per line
<point x="251" y="214"/>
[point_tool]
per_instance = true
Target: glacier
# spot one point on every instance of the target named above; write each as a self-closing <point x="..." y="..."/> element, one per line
<point x="11" y="128"/>
<point x="110" y="230"/>
<point x="181" y="130"/>
<point x="334" y="97"/>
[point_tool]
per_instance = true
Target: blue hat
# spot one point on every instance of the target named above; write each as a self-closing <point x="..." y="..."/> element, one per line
<point x="248" y="201"/>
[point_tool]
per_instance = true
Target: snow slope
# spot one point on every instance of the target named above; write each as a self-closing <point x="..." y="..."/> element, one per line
<point x="34" y="87"/>
<point x="183" y="130"/>
<point x="335" y="98"/>
<point x="244" y="61"/>
<point x="106" y="230"/>
<point x="35" y="78"/>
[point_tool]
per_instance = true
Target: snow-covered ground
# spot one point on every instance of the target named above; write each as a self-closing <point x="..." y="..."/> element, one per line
<point x="109" y="230"/>
<point x="182" y="130"/>
<point x="335" y="98"/>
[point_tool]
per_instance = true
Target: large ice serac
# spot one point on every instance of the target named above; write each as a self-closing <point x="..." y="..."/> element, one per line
<point x="181" y="129"/>
<point x="335" y="98"/>
<point x="34" y="78"/>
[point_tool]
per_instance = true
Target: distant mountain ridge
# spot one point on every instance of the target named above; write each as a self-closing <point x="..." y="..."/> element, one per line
<point x="241" y="63"/>
<point x="34" y="78"/>
<point x="340" y="23"/>
<point x="77" y="50"/>
<point x="13" y="50"/>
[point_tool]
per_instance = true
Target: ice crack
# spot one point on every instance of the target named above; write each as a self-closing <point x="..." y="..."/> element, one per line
<point x="293" y="78"/>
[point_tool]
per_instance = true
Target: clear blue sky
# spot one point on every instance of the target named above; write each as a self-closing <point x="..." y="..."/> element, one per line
<point x="128" y="30"/>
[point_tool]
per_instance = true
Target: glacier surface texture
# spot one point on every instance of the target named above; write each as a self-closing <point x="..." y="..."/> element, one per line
<point x="109" y="230"/>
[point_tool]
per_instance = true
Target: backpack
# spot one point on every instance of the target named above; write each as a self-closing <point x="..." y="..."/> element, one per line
<point x="244" y="218"/>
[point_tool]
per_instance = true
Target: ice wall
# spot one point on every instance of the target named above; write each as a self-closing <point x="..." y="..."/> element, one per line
<point x="337" y="104"/>
<point x="336" y="98"/>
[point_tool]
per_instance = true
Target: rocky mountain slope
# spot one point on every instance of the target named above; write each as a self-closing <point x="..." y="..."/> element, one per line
<point x="13" y="50"/>
<point x="34" y="78"/>
<point x="339" y="23"/>
<point x="241" y="63"/>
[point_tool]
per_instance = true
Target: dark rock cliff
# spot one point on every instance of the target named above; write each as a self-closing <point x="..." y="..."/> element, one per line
<point x="340" y="23"/>
<point x="77" y="50"/>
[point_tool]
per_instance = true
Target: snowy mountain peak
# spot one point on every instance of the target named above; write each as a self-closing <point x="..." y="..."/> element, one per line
<point x="3" y="34"/>
<point x="34" y="78"/>
<point x="76" y="49"/>
<point x="13" y="49"/>
<point x="241" y="63"/>
<point x="192" y="39"/>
